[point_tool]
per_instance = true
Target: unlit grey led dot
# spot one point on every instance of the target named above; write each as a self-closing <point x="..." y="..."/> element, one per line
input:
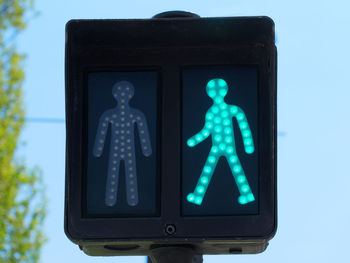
<point x="122" y="156"/>
<point x="132" y="197"/>
<point x="111" y="197"/>
<point x="116" y="148"/>
<point x="122" y="150"/>
<point x="131" y="175"/>
<point x="142" y="132"/>
<point x="113" y="182"/>
<point x="114" y="115"/>
<point x="112" y="190"/>
<point x="132" y="190"/>
<point x="130" y="161"/>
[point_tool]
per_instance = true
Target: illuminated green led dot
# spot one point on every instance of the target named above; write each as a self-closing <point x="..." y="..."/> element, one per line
<point x="241" y="178"/>
<point x="243" y="125"/>
<point x="250" y="197"/>
<point x="229" y="150"/>
<point x="217" y="119"/>
<point x="233" y="159"/>
<point x="190" y="142"/>
<point x="242" y="200"/>
<point x="240" y="116"/>
<point x="215" y="149"/>
<point x="218" y="100"/>
<point x="249" y="149"/>
<point x="190" y="197"/>
<point x="222" y="83"/>
<point x="212" y="93"/>
<point x="218" y="138"/>
<point x="200" y="189"/>
<point x="223" y="106"/>
<point x="222" y="146"/>
<point x="199" y="200"/>
<point x="207" y="169"/>
<point x="248" y="142"/>
<point x="227" y="130"/>
<point x="246" y="133"/>
<point x="209" y="125"/>
<point x="205" y="132"/>
<point x="204" y="180"/>
<point x="224" y="114"/>
<point x="199" y="138"/>
<point x="222" y="92"/>
<point x="218" y="128"/>
<point x="228" y="139"/>
<point x="211" y="159"/>
<point x="226" y="122"/>
<point x="211" y="84"/>
<point x="210" y="116"/>
<point x="234" y="109"/>
<point x="245" y="188"/>
<point x="237" y="168"/>
<point x="215" y="109"/>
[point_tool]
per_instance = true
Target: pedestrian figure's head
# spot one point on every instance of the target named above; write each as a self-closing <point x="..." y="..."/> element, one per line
<point x="217" y="89"/>
<point x="123" y="91"/>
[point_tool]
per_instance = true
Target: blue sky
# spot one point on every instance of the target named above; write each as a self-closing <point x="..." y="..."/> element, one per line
<point x="313" y="112"/>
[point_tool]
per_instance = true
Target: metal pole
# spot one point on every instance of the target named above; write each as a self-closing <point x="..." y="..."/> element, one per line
<point x="172" y="255"/>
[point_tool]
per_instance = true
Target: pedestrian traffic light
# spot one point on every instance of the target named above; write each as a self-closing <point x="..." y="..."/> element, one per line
<point x="171" y="134"/>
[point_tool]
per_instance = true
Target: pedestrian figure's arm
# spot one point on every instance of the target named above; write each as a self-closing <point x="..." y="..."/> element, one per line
<point x="203" y="133"/>
<point x="101" y="134"/>
<point x="247" y="137"/>
<point x="143" y="134"/>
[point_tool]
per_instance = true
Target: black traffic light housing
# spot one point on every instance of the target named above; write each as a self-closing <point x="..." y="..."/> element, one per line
<point x="103" y="50"/>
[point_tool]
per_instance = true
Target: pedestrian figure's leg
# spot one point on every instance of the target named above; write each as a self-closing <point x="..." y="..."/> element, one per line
<point x="246" y="194"/>
<point x="131" y="180"/>
<point x="112" y="178"/>
<point x="203" y="182"/>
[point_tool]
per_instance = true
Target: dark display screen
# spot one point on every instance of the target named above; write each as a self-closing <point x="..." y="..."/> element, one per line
<point x="220" y="141"/>
<point x="122" y="176"/>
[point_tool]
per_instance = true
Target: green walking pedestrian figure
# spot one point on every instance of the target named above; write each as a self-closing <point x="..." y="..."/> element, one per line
<point x="218" y="124"/>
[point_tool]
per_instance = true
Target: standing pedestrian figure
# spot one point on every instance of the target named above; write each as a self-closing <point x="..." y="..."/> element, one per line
<point x="122" y="147"/>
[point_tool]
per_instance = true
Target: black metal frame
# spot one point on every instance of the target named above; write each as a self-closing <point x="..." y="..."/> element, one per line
<point x="169" y="45"/>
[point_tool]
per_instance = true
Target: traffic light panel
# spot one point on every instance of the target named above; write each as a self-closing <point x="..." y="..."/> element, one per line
<point x="171" y="135"/>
